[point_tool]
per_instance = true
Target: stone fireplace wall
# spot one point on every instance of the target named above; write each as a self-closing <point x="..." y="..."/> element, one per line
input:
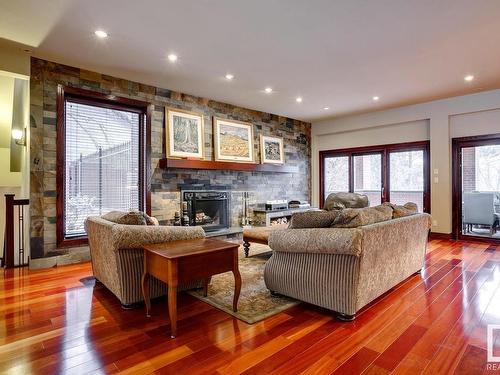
<point x="166" y="184"/>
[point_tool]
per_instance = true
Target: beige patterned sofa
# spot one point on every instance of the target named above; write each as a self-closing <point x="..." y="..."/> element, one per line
<point x="334" y="202"/>
<point x="344" y="269"/>
<point x="117" y="256"/>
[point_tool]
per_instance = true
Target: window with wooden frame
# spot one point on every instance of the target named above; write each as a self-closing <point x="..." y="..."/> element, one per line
<point x="103" y="159"/>
<point x="398" y="173"/>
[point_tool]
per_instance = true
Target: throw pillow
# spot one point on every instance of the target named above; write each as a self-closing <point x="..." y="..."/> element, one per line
<point x="407" y="209"/>
<point x="126" y="218"/>
<point x="357" y="217"/>
<point x="339" y="201"/>
<point x="313" y="219"/>
<point x="150" y="220"/>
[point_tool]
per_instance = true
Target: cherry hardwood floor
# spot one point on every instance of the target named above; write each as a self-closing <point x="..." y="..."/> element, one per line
<point x="57" y="321"/>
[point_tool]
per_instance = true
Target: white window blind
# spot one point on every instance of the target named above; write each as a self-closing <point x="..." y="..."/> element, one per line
<point x="101" y="163"/>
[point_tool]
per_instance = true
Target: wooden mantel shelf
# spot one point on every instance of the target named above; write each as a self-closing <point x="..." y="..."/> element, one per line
<point x="224" y="165"/>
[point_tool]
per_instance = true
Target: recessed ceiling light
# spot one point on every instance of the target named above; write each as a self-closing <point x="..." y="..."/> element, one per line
<point x="326" y="108"/>
<point x="469" y="78"/>
<point x="229" y="76"/>
<point x="375" y="98"/>
<point x="101" y="33"/>
<point x="268" y="90"/>
<point x="298" y="99"/>
<point x="172" y="57"/>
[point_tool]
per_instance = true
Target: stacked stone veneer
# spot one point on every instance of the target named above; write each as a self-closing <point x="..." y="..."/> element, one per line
<point x="166" y="184"/>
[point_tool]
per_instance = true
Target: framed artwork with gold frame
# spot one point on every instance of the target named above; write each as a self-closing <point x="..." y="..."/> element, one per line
<point x="233" y="141"/>
<point x="184" y="135"/>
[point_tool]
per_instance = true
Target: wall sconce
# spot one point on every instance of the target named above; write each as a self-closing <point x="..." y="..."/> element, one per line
<point x="19" y="136"/>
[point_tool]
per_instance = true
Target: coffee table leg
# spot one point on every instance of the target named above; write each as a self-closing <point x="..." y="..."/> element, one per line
<point x="172" y="309"/>
<point x="237" y="288"/>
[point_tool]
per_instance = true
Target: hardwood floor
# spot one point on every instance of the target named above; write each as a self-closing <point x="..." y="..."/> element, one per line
<point x="56" y="321"/>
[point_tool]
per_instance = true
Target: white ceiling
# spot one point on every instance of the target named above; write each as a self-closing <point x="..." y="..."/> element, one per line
<point x="333" y="53"/>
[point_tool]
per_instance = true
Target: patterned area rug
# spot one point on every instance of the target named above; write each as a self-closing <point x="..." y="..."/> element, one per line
<point x="255" y="303"/>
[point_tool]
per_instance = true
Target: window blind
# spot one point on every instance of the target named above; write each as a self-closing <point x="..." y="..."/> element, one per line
<point x="101" y="163"/>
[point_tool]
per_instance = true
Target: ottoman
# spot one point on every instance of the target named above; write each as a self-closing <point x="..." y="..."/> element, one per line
<point x="259" y="235"/>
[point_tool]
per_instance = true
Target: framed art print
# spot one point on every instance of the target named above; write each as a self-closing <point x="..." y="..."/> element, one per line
<point x="184" y="134"/>
<point x="233" y="141"/>
<point x="271" y="150"/>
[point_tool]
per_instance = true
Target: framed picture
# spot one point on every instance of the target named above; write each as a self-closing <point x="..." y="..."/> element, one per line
<point x="184" y="134"/>
<point x="271" y="150"/>
<point x="233" y="141"/>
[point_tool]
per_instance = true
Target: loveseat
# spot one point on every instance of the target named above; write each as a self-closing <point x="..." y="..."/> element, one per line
<point x="345" y="268"/>
<point x="117" y="255"/>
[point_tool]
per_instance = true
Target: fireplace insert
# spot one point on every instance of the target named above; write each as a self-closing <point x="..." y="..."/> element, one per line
<point x="208" y="208"/>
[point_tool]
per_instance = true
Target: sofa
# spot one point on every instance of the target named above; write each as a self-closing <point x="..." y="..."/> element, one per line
<point x="345" y="268"/>
<point x="117" y="255"/>
<point x="334" y="201"/>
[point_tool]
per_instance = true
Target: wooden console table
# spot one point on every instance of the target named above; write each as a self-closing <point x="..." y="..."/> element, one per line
<point x="187" y="260"/>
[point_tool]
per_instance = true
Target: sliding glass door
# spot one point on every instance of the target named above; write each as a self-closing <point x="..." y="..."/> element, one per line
<point x="367" y="174"/>
<point x="476" y="195"/>
<point x="336" y="170"/>
<point x="407" y="177"/>
<point x="398" y="173"/>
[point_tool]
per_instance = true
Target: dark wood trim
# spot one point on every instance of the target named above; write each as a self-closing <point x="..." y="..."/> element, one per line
<point x="427" y="180"/>
<point x="8" y="244"/>
<point x="322" y="180"/>
<point x="8" y="255"/>
<point x="167" y="163"/>
<point x="384" y="151"/>
<point x="384" y="176"/>
<point x="147" y="163"/>
<point x="450" y="237"/>
<point x="60" y="162"/>
<point x="418" y="145"/>
<point x="77" y="95"/>
<point x="456" y="186"/>
<point x="439" y="236"/>
<point x="350" y="168"/>
<point x="479" y="140"/>
<point x="106" y="100"/>
<point x="72" y="241"/>
<point x="494" y="241"/>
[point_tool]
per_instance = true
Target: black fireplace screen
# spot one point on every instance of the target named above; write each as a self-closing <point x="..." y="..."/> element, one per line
<point x="210" y="209"/>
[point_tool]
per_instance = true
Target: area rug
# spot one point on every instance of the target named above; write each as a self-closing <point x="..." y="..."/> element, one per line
<point x="255" y="303"/>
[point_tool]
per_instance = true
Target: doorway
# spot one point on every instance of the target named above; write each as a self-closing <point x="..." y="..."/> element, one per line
<point x="476" y="187"/>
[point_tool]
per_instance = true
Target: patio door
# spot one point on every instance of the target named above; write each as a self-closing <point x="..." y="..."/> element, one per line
<point x="398" y="173"/>
<point x="476" y="187"/>
<point x="407" y="171"/>
<point x="367" y="177"/>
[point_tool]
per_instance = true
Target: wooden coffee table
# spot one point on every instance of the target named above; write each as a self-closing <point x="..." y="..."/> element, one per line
<point x="188" y="260"/>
